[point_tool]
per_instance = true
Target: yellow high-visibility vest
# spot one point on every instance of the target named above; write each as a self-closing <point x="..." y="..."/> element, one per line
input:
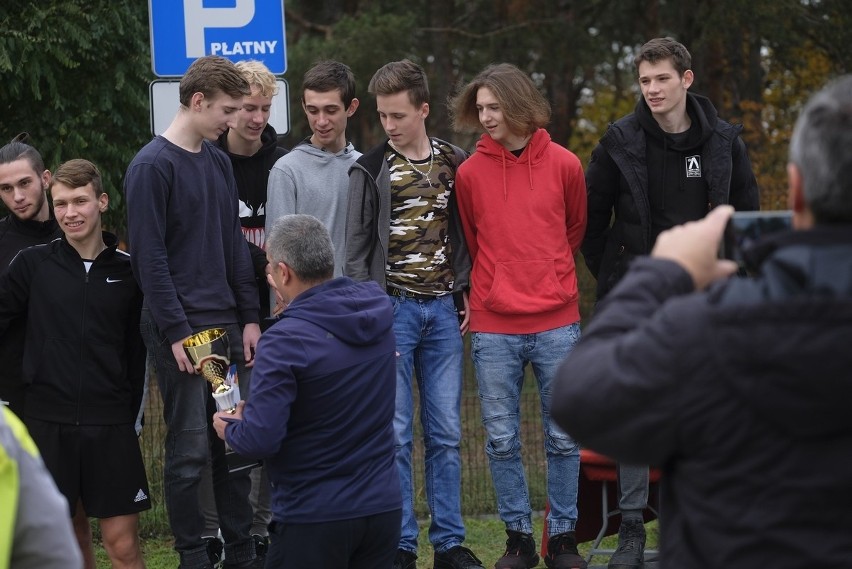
<point x="10" y="483"/>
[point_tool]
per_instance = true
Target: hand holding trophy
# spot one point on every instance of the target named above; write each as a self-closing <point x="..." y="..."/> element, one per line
<point x="210" y="353"/>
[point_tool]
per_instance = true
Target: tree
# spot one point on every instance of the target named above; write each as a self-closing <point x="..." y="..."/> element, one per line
<point x="74" y="76"/>
<point x="75" y="72"/>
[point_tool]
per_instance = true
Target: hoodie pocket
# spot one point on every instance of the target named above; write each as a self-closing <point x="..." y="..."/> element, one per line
<point x="527" y="287"/>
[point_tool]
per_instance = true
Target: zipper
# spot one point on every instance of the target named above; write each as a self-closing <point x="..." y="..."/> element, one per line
<point x="82" y="341"/>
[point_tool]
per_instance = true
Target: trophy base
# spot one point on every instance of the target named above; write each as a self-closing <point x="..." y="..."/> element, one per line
<point x="238" y="463"/>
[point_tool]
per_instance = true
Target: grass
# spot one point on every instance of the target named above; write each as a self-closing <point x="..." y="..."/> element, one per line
<point x="485" y="536"/>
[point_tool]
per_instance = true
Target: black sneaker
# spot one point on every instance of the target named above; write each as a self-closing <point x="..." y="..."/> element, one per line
<point x="562" y="552"/>
<point x="457" y="557"/>
<point x="630" y="553"/>
<point x="261" y="544"/>
<point x="520" y="552"/>
<point x="215" y="547"/>
<point x="405" y="560"/>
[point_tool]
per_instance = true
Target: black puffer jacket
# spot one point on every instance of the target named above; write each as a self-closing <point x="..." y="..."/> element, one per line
<point x="741" y="394"/>
<point x="617" y="181"/>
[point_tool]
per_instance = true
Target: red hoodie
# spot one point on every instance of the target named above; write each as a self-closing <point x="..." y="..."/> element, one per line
<point x="523" y="218"/>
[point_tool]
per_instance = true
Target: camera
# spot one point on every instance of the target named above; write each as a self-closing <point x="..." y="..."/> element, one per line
<point x="745" y="228"/>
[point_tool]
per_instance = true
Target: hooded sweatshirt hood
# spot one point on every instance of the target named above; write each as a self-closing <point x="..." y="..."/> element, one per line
<point x="315" y="182"/>
<point x="805" y="287"/>
<point x="677" y="169"/>
<point x="268" y="141"/>
<point x="701" y="112"/>
<point x="533" y="154"/>
<point x="356" y="313"/>
<point x="318" y="154"/>
<point x="251" y="174"/>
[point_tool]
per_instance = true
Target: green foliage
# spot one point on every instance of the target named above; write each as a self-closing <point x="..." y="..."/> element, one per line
<point x="74" y="75"/>
<point x="360" y="41"/>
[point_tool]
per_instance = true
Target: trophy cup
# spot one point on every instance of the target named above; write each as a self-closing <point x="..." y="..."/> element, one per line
<point x="210" y="354"/>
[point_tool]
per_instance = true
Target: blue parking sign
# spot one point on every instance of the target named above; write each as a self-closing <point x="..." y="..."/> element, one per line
<point x="184" y="30"/>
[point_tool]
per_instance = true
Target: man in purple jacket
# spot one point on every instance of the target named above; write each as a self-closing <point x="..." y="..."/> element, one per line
<point x="321" y="410"/>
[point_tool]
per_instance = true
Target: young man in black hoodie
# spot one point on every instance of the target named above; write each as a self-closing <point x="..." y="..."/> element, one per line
<point x="670" y="161"/>
<point x="252" y="146"/>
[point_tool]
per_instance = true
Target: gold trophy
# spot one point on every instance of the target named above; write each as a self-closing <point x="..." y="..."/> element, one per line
<point x="210" y="353"/>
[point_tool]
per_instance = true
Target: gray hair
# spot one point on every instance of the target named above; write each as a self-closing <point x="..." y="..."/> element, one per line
<point x="302" y="242"/>
<point x="820" y="149"/>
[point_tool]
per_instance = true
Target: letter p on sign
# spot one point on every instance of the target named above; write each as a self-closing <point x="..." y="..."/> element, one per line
<point x="197" y="18"/>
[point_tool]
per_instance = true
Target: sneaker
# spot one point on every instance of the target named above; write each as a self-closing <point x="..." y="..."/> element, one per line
<point x="562" y="552"/>
<point x="405" y="560"/>
<point x="261" y="544"/>
<point x="520" y="552"/>
<point x="631" y="547"/>
<point x="457" y="557"/>
<point x="215" y="548"/>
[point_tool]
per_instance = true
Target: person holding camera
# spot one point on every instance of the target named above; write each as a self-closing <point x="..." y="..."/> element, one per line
<point x="670" y="161"/>
<point x="737" y="388"/>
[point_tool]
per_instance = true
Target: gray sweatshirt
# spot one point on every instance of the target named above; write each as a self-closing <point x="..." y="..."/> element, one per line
<point x="315" y="182"/>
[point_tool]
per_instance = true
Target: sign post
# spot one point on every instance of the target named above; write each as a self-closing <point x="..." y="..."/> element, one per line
<point x="165" y="101"/>
<point x="184" y="30"/>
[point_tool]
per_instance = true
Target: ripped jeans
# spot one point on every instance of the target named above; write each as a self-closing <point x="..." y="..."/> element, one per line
<point x="499" y="360"/>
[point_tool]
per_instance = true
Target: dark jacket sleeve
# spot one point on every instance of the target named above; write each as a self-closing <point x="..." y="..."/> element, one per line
<point x="136" y="353"/>
<point x="14" y="291"/>
<point x="618" y="390"/>
<point x="258" y="260"/>
<point x="602" y="184"/>
<point x="360" y="226"/>
<point x="744" y="193"/>
<point x="461" y="260"/>
<point x="273" y="391"/>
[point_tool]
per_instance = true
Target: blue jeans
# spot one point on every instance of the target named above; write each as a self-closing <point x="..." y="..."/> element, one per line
<point x="499" y="360"/>
<point x="429" y="342"/>
<point x="188" y="408"/>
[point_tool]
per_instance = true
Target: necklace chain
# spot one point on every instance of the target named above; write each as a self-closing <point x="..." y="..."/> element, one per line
<point x="416" y="169"/>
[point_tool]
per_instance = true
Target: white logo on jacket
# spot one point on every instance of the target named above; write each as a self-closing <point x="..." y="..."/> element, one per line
<point x="693" y="166"/>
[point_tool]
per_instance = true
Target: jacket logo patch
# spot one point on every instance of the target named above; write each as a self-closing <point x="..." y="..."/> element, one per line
<point x="693" y="166"/>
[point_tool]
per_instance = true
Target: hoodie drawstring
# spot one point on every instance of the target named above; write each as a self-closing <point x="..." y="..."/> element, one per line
<point x="529" y="173"/>
<point x="505" y="190"/>
<point x="529" y="168"/>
